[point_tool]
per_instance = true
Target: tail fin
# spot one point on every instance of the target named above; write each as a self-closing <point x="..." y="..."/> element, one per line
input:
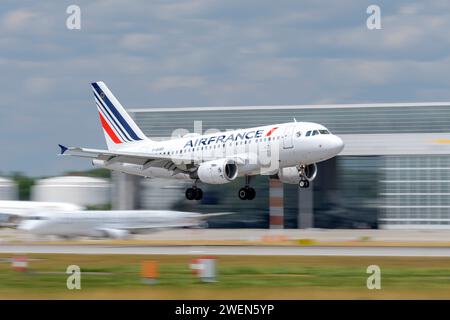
<point x="118" y="126"/>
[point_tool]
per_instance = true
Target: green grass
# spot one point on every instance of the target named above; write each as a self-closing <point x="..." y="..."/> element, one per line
<point x="238" y="277"/>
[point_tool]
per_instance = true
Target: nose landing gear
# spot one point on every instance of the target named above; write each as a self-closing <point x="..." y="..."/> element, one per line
<point x="304" y="182"/>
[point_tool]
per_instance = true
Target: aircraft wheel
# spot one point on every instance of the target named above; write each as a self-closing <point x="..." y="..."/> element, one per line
<point x="190" y="193"/>
<point x="251" y="194"/>
<point x="198" y="194"/>
<point x="243" y="193"/>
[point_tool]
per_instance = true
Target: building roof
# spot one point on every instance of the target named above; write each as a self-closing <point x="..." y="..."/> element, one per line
<point x="287" y="107"/>
<point x="6" y="181"/>
<point x="73" y="181"/>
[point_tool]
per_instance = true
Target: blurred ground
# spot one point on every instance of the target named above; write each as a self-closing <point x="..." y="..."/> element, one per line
<point x="311" y="237"/>
<point x="238" y="250"/>
<point x="239" y="277"/>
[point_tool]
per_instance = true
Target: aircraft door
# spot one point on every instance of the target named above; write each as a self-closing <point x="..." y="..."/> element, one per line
<point x="288" y="137"/>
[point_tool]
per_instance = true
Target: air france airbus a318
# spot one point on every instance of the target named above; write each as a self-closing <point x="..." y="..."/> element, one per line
<point x="288" y="150"/>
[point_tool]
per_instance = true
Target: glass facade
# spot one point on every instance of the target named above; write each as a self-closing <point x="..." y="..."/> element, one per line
<point x="415" y="191"/>
<point x="350" y="191"/>
<point x="339" y="119"/>
<point x="346" y="193"/>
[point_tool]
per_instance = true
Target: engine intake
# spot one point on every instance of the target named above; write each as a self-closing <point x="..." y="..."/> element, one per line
<point x="217" y="171"/>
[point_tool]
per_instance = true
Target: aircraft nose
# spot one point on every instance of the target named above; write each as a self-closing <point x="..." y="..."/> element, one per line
<point x="337" y="144"/>
<point x="29" y="225"/>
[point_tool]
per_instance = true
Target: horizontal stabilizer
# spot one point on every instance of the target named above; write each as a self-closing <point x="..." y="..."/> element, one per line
<point x="63" y="148"/>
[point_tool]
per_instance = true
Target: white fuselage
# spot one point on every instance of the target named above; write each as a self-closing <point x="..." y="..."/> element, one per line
<point x="263" y="150"/>
<point x="114" y="224"/>
<point x="12" y="212"/>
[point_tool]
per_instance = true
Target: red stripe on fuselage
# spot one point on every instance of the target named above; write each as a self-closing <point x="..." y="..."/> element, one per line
<point x="108" y="130"/>
<point x="271" y="131"/>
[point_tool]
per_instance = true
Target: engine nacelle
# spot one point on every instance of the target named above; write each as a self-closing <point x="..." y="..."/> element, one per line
<point x="217" y="171"/>
<point x="116" y="233"/>
<point x="290" y="174"/>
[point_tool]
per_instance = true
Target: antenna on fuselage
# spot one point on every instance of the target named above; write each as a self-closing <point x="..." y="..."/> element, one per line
<point x="295" y="120"/>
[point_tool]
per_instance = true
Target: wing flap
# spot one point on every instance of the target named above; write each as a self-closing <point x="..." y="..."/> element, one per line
<point x="141" y="228"/>
<point x="117" y="156"/>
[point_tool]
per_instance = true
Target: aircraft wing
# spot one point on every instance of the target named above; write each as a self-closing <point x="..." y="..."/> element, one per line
<point x="144" y="159"/>
<point x="192" y="221"/>
<point x="132" y="228"/>
<point x="201" y="216"/>
<point x="124" y="230"/>
<point x="115" y="156"/>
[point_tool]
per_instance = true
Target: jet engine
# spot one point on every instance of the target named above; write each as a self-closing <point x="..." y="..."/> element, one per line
<point x="217" y="171"/>
<point x="291" y="175"/>
<point x="116" y="233"/>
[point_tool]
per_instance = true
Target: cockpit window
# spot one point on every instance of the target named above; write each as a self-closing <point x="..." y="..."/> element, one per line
<point x="324" y="131"/>
<point x="308" y="133"/>
<point x="315" y="132"/>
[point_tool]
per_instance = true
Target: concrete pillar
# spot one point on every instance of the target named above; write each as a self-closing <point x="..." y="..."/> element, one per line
<point x="306" y="207"/>
<point x="126" y="195"/>
<point x="276" y="204"/>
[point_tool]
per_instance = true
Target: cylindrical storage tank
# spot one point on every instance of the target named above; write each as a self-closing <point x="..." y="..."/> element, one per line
<point x="84" y="191"/>
<point x="8" y="189"/>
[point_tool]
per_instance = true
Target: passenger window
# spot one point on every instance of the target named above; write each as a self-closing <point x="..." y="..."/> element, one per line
<point x="298" y="134"/>
<point x="308" y="133"/>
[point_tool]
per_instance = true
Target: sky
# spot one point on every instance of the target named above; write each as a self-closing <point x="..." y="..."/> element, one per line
<point x="175" y="53"/>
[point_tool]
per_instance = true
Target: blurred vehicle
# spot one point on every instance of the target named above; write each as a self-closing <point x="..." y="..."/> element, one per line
<point x="117" y="224"/>
<point x="12" y="212"/>
<point x="288" y="150"/>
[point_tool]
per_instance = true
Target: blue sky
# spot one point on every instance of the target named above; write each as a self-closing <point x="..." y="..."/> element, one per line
<point x="176" y="53"/>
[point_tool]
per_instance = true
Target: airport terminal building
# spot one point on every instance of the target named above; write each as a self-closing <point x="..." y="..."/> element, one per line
<point x="393" y="173"/>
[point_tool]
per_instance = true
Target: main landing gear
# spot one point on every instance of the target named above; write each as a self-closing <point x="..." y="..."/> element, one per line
<point x="194" y="193"/>
<point x="304" y="182"/>
<point x="247" y="192"/>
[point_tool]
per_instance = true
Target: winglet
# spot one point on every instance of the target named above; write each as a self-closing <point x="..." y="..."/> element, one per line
<point x="63" y="148"/>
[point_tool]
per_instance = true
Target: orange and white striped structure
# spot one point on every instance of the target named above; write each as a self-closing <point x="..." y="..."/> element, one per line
<point x="276" y="204"/>
<point x="19" y="264"/>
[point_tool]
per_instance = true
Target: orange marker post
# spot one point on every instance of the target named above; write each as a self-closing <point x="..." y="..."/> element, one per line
<point x="150" y="272"/>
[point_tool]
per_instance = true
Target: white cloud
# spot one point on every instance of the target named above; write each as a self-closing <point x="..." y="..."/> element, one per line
<point x="202" y="53"/>
<point x="177" y="82"/>
<point x="18" y="19"/>
<point x="139" y="41"/>
<point x="39" y="85"/>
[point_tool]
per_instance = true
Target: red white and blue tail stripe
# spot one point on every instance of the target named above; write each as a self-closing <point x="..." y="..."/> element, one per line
<point x="117" y="125"/>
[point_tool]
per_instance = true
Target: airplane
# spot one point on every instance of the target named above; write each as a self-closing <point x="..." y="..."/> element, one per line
<point x="288" y="151"/>
<point x="11" y="212"/>
<point x="119" y="224"/>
